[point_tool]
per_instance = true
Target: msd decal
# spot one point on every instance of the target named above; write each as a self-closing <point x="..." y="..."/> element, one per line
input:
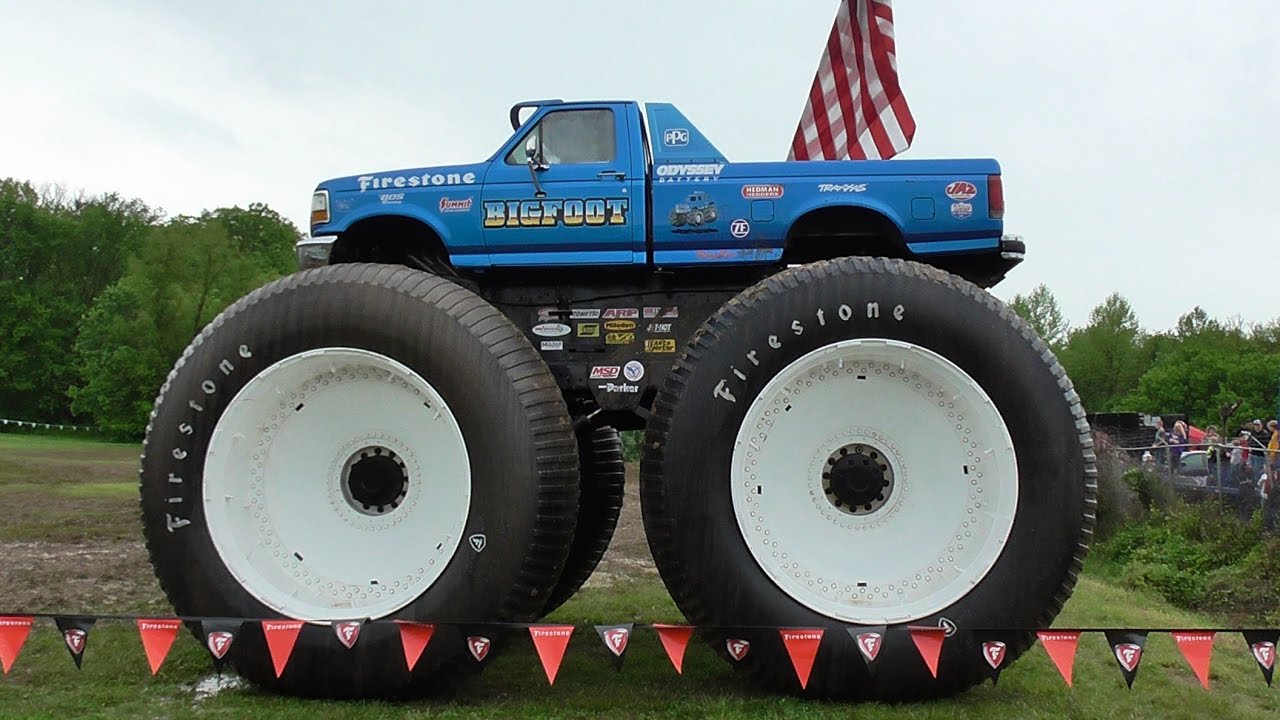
<point x="762" y="192"/>
<point x="463" y="205"/>
<point x="592" y="212"/>
<point x="621" y="314"/>
<point x="961" y="190"/>
<point x="605" y="372"/>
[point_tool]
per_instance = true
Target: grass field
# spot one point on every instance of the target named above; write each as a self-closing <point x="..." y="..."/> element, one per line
<point x="69" y="542"/>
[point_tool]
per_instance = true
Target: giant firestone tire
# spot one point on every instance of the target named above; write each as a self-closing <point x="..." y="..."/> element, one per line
<point x="603" y="473"/>
<point x="867" y="442"/>
<point x="359" y="441"/>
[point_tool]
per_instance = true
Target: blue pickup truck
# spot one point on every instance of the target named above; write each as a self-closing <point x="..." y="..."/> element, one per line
<point x="591" y="184"/>
<point x="841" y="425"/>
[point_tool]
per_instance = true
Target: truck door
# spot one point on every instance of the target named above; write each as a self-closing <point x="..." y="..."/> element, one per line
<point x="581" y="210"/>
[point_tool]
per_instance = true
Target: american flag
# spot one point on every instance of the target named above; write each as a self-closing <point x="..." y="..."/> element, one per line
<point x="856" y="110"/>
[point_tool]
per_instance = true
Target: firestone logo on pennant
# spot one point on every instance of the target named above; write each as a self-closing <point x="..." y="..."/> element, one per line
<point x="738" y="649"/>
<point x="961" y="190"/>
<point x="219" y="643"/>
<point x="348" y="632"/>
<point x="479" y="647"/>
<point x="616" y="640"/>
<point x="75" y="639"/>
<point x="1129" y="655"/>
<point x="869" y="644"/>
<point x="1265" y="654"/>
<point x="993" y="652"/>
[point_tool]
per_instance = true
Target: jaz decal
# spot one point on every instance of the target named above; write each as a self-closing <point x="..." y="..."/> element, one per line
<point x="842" y="188"/>
<point x="961" y="210"/>
<point x="373" y="182"/>
<point x="605" y="372"/>
<point x="660" y="345"/>
<point x="675" y="137"/>
<point x="842" y="313"/>
<point x="633" y="371"/>
<point x="738" y="649"/>
<point x="479" y="647"/>
<point x="689" y="172"/>
<point x="619" y="338"/>
<point x="961" y="190"/>
<point x="463" y="205"/>
<point x="588" y="330"/>
<point x="761" y="192"/>
<point x="592" y="212"/>
<point x="739" y="228"/>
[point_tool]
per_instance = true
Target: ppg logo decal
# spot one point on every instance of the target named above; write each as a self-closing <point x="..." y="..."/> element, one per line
<point x="675" y="137"/>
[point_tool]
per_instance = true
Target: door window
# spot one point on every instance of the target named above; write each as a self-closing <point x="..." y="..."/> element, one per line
<point x="570" y="137"/>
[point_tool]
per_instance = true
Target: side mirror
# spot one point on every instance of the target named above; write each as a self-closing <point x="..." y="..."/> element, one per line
<point x="535" y="158"/>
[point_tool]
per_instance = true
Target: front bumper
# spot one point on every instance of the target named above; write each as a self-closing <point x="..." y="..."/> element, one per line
<point x="314" y="251"/>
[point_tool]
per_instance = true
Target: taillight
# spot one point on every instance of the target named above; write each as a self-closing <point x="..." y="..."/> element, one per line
<point x="995" y="197"/>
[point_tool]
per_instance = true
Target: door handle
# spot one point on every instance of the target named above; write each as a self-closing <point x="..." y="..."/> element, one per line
<point x="615" y="174"/>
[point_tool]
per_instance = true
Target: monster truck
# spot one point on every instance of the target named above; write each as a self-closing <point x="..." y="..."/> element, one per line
<point x="695" y="210"/>
<point x="842" y="428"/>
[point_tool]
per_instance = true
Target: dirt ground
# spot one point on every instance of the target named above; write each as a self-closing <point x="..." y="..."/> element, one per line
<point x="70" y="535"/>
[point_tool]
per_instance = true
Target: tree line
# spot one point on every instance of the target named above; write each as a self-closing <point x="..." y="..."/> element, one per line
<point x="1217" y="371"/>
<point x="99" y="295"/>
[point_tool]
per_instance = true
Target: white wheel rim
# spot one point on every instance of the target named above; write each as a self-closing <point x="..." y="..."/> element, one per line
<point x="954" y="481"/>
<point x="278" y="503"/>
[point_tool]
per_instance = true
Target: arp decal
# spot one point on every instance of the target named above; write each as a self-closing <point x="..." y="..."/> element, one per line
<point x="619" y="325"/>
<point x="739" y="228"/>
<point x="554" y="213"/>
<point x="621" y="314"/>
<point x="588" y="330"/>
<point x="762" y="192"/>
<point x="619" y="338"/>
<point x="605" y="372"/>
<point x="688" y="172"/>
<point x="372" y="182"/>
<point x="961" y="210"/>
<point x="675" y="137"/>
<point x="463" y="205"/>
<point x="660" y="345"/>
<point x="961" y="190"/>
<point x="693" y="213"/>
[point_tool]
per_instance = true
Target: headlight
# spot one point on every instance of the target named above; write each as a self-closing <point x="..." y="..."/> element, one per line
<point x="320" y="207"/>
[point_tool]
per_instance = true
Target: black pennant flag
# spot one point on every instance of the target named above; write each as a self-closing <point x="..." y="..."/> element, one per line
<point x="75" y="636"/>
<point x="869" y="641"/>
<point x="615" y="639"/>
<point x="1127" y="646"/>
<point x="219" y="635"/>
<point x="1262" y="645"/>
<point x="995" y="650"/>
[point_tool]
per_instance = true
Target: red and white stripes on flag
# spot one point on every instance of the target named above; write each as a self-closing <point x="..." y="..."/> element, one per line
<point x="856" y="110"/>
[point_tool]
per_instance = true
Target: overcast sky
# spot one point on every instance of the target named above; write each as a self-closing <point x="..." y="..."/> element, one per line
<point x="1136" y="138"/>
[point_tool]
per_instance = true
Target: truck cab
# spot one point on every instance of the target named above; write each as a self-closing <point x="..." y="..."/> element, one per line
<point x="608" y="183"/>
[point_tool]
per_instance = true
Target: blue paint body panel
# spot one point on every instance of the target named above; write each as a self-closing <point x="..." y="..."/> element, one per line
<point x="658" y="192"/>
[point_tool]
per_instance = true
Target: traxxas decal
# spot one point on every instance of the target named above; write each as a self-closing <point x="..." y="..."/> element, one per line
<point x="553" y="213"/>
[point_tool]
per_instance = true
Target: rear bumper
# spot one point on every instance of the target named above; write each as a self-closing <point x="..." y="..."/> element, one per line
<point x="314" y="251"/>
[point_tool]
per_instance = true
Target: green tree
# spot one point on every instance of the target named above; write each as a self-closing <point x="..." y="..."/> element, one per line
<point x="1106" y="357"/>
<point x="1041" y="311"/>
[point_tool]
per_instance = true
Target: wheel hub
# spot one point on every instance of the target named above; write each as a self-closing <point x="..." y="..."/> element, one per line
<point x="375" y="480"/>
<point x="857" y="479"/>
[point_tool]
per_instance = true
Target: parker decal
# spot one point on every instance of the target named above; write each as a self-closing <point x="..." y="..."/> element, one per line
<point x="762" y="192"/>
<point x="373" y="182"/>
<point x="588" y="330"/>
<point x="689" y="172"/>
<point x="619" y="388"/>
<point x="554" y="213"/>
<point x="463" y="205"/>
<point x="961" y="190"/>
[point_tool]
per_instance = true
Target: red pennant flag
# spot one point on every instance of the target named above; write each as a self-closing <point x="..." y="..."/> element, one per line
<point x="1197" y="648"/>
<point x="414" y="638"/>
<point x="281" y="636"/>
<point x="1061" y="646"/>
<point x="13" y="635"/>
<point x="928" y="641"/>
<point x="157" y="635"/>
<point x="675" y="639"/>
<point x="551" y="641"/>
<point x="802" y="645"/>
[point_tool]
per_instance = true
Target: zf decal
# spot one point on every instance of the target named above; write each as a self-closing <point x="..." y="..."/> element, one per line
<point x="588" y="330"/>
<point x="619" y="338"/>
<point x="961" y="190"/>
<point x="660" y="345"/>
<point x="553" y="213"/>
<point x="739" y="228"/>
